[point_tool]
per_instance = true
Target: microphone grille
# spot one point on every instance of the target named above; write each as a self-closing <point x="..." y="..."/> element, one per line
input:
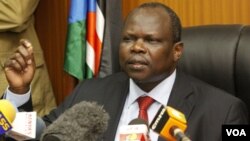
<point x="138" y="121"/>
<point x="8" y="109"/>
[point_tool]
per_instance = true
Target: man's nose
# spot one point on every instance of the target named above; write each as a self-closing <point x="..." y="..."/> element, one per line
<point x="138" y="46"/>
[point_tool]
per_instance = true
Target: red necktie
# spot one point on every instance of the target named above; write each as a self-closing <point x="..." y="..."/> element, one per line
<point x="144" y="102"/>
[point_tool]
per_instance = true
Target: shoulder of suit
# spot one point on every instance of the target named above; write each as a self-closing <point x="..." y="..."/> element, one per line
<point x="119" y="77"/>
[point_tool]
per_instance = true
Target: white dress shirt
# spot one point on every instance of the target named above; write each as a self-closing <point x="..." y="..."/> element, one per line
<point x="16" y="99"/>
<point x="160" y="94"/>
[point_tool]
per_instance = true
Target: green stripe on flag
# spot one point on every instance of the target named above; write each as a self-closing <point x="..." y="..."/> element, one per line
<point x="75" y="51"/>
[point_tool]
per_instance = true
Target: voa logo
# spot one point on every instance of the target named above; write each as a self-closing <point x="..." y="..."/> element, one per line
<point x="236" y="132"/>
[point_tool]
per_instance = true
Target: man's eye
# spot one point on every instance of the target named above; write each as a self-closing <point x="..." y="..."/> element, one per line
<point x="152" y="41"/>
<point x="126" y="39"/>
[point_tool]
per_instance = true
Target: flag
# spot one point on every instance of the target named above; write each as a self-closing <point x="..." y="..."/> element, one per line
<point x="84" y="38"/>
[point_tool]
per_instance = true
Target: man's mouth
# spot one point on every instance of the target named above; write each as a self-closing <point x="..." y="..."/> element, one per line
<point x="137" y="64"/>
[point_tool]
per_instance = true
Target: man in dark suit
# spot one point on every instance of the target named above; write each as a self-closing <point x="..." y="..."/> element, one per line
<point x="149" y="51"/>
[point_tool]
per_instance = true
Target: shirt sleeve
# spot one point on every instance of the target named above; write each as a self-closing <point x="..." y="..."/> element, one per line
<point x="17" y="99"/>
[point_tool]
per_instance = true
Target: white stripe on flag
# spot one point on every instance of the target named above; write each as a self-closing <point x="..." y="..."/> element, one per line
<point x="99" y="23"/>
<point x="90" y="57"/>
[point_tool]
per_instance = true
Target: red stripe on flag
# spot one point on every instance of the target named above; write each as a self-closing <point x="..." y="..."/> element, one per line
<point x="98" y="51"/>
<point x="93" y="39"/>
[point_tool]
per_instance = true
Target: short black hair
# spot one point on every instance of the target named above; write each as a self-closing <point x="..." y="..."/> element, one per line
<point x="174" y="19"/>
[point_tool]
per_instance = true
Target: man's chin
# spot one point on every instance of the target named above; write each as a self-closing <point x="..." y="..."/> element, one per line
<point x="146" y="79"/>
<point x="137" y="77"/>
<point x="142" y="80"/>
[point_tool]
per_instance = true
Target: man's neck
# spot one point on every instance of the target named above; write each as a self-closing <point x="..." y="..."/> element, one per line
<point x="150" y="84"/>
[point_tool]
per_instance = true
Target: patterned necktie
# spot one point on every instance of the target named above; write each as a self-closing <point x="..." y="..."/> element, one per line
<point x="144" y="103"/>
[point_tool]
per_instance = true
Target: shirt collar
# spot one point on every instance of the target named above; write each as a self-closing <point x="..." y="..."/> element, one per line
<point x="163" y="89"/>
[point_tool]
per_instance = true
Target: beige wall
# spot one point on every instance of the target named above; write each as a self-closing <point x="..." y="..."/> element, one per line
<point x="202" y="12"/>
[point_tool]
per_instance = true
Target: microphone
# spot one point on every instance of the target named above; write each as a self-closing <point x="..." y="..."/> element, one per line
<point x="85" y="121"/>
<point x="20" y="125"/>
<point x="26" y="126"/>
<point x="40" y="126"/>
<point x="7" y="115"/>
<point x="170" y="124"/>
<point x="137" y="130"/>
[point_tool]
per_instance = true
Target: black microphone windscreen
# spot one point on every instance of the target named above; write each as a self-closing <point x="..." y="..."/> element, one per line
<point x="53" y="137"/>
<point x="85" y="121"/>
<point x="137" y="121"/>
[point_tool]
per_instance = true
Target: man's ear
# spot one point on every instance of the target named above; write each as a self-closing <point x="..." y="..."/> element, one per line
<point x="178" y="49"/>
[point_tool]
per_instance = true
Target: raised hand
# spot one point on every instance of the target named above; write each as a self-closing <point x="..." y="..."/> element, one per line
<point x="20" y="68"/>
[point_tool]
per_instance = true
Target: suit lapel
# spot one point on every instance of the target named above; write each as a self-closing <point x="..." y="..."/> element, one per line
<point x="114" y="107"/>
<point x="182" y="97"/>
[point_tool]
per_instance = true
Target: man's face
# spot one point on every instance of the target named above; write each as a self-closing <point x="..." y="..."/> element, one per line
<point x="147" y="52"/>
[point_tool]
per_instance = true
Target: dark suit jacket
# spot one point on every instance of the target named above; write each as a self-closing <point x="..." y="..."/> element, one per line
<point x="205" y="107"/>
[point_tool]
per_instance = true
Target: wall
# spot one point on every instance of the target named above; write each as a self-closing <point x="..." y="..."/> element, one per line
<point x="201" y="12"/>
<point x="51" y="26"/>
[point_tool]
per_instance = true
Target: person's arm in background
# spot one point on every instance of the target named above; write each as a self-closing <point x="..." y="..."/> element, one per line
<point x="16" y="15"/>
<point x="16" y="22"/>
